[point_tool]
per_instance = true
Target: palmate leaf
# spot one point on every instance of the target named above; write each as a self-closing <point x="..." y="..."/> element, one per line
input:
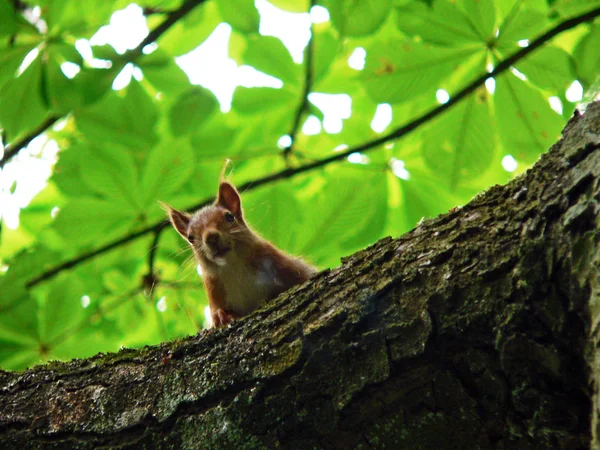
<point x="357" y="17"/>
<point x="242" y="15"/>
<point x="269" y="55"/>
<point x="400" y="71"/>
<point x="82" y="18"/>
<point x="8" y="18"/>
<point x="482" y="16"/>
<point x="127" y="120"/>
<point x="549" y="68"/>
<point x="527" y="125"/>
<point x="84" y="221"/>
<point x="192" y="108"/>
<point x="443" y="23"/>
<point x="462" y="143"/>
<point x="189" y="33"/>
<point x="11" y="57"/>
<point x="61" y="91"/>
<point x="521" y="21"/>
<point x="61" y="309"/>
<point x="569" y="8"/>
<point x="341" y="211"/>
<point x="168" y="166"/>
<point x="587" y="57"/>
<point x="21" y="104"/>
<point x="110" y="172"/>
<point x="276" y="214"/>
<point x="160" y="69"/>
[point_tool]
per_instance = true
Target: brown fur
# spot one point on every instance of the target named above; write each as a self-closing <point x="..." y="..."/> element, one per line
<point x="241" y="270"/>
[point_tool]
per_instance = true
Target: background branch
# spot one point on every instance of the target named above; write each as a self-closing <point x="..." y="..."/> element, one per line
<point x="290" y="172"/>
<point x="13" y="148"/>
<point x="308" y="81"/>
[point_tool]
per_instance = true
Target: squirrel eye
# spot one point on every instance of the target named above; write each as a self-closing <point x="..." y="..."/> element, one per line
<point x="229" y="217"/>
<point x="190" y="238"/>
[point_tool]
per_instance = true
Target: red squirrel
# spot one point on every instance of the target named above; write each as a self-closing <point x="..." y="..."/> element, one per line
<point x="241" y="270"/>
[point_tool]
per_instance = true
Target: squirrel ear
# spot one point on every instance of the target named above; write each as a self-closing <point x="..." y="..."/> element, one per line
<point x="180" y="221"/>
<point x="229" y="198"/>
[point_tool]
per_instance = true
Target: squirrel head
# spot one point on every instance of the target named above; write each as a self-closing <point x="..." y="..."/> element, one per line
<point x="214" y="231"/>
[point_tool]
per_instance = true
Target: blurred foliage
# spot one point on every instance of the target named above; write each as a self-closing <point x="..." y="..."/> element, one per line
<point x="163" y="139"/>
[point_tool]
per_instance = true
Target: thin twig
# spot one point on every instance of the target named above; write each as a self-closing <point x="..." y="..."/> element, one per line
<point x="12" y="149"/>
<point x="288" y="172"/>
<point x="308" y="82"/>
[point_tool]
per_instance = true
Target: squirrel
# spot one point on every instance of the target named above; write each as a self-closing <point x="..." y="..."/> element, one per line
<point x="241" y="270"/>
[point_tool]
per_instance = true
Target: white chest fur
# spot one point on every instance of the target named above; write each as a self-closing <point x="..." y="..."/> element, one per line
<point x="247" y="287"/>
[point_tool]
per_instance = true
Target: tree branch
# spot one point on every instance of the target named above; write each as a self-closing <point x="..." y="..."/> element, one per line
<point x="308" y="81"/>
<point x="12" y="149"/>
<point x="289" y="172"/>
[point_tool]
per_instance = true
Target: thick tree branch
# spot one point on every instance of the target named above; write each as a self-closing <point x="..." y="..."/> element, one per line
<point x="477" y="329"/>
<point x="290" y="172"/>
<point x="13" y="148"/>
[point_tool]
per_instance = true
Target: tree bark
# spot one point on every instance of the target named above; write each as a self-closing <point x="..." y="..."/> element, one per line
<point x="477" y="329"/>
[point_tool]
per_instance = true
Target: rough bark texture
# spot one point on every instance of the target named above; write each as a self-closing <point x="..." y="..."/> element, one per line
<point x="478" y="329"/>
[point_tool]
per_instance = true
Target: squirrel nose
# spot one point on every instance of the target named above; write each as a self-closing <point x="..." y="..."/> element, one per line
<point x="212" y="238"/>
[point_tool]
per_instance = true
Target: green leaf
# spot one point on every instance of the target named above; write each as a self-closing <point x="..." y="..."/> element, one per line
<point x="342" y="209"/>
<point x="62" y="308"/>
<point x="111" y="173"/>
<point x="62" y="91"/>
<point x="527" y="126"/>
<point x="67" y="172"/>
<point x="423" y="197"/>
<point x="357" y="17"/>
<point x="269" y="55"/>
<point x="187" y="34"/>
<point x="169" y="165"/>
<point x="587" y="57"/>
<point x="191" y="110"/>
<point x="11" y="58"/>
<point x="21" y="105"/>
<point x="163" y="73"/>
<point x="127" y="120"/>
<point x="550" y="68"/>
<point x="276" y="214"/>
<point x="482" y="16"/>
<point x="325" y="50"/>
<point x="572" y="7"/>
<point x="255" y="100"/>
<point x="8" y="18"/>
<point x="81" y="18"/>
<point x="242" y="15"/>
<point x="296" y="6"/>
<point x="442" y="24"/>
<point x="400" y="71"/>
<point x="461" y="144"/>
<point x="521" y="23"/>
<point x="214" y="141"/>
<point x="93" y="84"/>
<point x="85" y="221"/>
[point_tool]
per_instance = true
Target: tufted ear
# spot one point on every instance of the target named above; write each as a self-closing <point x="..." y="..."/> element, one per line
<point x="180" y="221"/>
<point x="230" y="199"/>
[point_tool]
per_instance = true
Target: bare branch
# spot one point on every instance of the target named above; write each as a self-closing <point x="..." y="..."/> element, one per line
<point x="12" y="149"/>
<point x="289" y="172"/>
<point x="308" y="81"/>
